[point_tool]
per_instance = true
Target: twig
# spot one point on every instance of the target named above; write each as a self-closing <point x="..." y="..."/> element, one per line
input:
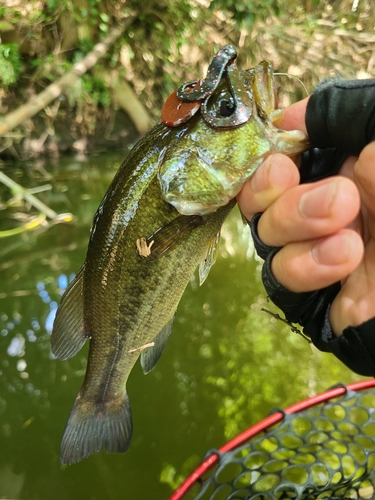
<point x="291" y="326"/>
<point x="32" y="224"/>
<point x="362" y="37"/>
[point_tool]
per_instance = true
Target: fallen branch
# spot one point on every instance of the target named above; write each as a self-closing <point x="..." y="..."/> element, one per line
<point x="54" y="90"/>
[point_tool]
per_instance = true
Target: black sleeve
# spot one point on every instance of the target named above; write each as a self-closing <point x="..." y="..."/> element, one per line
<point x="340" y="121"/>
<point x="355" y="347"/>
<point x="341" y="114"/>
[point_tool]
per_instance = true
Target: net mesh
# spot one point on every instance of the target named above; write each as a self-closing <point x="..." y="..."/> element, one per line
<point x="327" y="451"/>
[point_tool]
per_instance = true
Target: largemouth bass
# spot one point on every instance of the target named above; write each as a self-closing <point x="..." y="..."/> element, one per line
<point x="159" y="219"/>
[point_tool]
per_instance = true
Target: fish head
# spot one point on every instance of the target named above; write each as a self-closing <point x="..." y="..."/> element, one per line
<point x="221" y="143"/>
<point x="205" y="167"/>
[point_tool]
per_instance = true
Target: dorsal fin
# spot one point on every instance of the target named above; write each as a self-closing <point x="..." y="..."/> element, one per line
<point x="68" y="334"/>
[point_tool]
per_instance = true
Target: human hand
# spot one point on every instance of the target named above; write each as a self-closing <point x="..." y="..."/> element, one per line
<point x="326" y="228"/>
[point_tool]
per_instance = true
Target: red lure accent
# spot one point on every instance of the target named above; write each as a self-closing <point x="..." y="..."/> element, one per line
<point x="176" y="112"/>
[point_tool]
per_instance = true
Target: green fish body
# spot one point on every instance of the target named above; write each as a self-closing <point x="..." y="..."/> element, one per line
<point x="141" y="255"/>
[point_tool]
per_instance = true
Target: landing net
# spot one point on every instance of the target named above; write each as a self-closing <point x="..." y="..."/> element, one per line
<point x="322" y="447"/>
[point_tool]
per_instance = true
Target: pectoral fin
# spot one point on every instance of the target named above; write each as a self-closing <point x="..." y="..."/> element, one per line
<point x="68" y="334"/>
<point x="210" y="259"/>
<point x="150" y="356"/>
<point x="168" y="237"/>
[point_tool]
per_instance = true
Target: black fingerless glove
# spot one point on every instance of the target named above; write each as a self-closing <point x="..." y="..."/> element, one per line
<point x="340" y="120"/>
<point x="341" y="114"/>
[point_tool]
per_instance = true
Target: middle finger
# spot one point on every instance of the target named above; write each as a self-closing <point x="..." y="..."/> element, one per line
<point x="310" y="211"/>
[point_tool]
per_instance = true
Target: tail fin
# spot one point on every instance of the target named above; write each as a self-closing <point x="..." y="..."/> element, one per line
<point x="91" y="425"/>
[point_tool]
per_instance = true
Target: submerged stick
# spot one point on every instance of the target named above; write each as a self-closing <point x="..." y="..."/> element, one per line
<point x="33" y="200"/>
<point x="32" y="224"/>
<point x="26" y="195"/>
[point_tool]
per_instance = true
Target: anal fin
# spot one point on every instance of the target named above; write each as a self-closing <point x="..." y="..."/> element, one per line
<point x="150" y="356"/>
<point x="68" y="335"/>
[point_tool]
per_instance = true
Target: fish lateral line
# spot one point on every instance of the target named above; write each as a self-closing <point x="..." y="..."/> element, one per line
<point x="145" y="346"/>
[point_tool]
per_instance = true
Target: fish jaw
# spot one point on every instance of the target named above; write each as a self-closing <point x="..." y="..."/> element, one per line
<point x="213" y="157"/>
<point x="291" y="142"/>
<point x="192" y="185"/>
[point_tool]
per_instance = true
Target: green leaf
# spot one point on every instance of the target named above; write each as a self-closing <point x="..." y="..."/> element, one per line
<point x="5" y="26"/>
<point x="10" y="64"/>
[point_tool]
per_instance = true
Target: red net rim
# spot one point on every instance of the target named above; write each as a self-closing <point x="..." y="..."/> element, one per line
<point x="256" y="429"/>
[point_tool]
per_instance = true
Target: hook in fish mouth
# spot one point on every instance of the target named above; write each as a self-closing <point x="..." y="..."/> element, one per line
<point x="196" y="94"/>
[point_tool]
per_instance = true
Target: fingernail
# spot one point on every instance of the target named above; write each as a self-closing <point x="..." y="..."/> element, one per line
<point x="332" y="251"/>
<point x="260" y="180"/>
<point x="317" y="203"/>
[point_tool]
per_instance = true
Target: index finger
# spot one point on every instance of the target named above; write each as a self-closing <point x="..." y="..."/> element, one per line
<point x="293" y="117"/>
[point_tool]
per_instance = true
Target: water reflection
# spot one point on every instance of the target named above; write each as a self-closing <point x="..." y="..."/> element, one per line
<point x="226" y="365"/>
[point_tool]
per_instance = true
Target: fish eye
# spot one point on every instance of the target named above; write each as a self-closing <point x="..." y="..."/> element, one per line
<point x="226" y="107"/>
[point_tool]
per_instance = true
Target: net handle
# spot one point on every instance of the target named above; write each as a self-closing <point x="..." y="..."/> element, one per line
<point x="272" y="419"/>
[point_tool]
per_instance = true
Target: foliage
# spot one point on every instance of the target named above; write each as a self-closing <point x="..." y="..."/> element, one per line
<point x="47" y="69"/>
<point x="10" y="64"/>
<point x="246" y="12"/>
<point x="95" y="90"/>
<point x="171" y="41"/>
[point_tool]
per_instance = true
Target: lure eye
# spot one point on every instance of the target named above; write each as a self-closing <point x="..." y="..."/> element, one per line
<point x="226" y="107"/>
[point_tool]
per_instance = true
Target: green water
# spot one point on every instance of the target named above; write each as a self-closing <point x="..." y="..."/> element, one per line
<point x="226" y="365"/>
